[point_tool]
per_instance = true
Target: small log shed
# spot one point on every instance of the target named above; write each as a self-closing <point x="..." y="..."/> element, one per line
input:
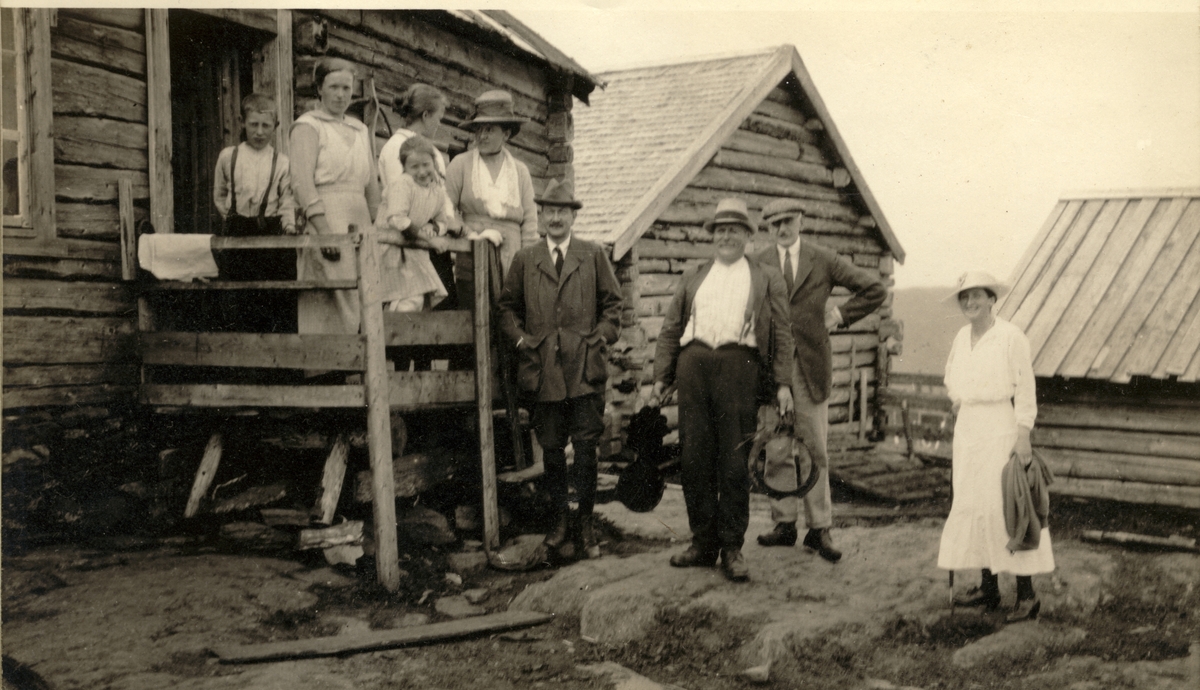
<point x="1109" y="295"/>
<point x="106" y="134"/>
<point x="661" y="145"/>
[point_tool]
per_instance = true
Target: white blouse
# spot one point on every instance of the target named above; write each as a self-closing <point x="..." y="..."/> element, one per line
<point x="997" y="369"/>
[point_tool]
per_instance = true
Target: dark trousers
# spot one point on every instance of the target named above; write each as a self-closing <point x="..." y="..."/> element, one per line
<point x="581" y="420"/>
<point x="717" y="418"/>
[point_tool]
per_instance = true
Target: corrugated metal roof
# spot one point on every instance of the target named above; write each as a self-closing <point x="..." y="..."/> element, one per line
<point x="640" y="124"/>
<point x="1110" y="288"/>
<point x="652" y="129"/>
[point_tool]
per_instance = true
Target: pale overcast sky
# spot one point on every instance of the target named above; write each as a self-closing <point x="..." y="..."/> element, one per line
<point x="967" y="125"/>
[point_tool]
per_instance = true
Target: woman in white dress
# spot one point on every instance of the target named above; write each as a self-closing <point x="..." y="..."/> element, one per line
<point x="334" y="182"/>
<point x="989" y="377"/>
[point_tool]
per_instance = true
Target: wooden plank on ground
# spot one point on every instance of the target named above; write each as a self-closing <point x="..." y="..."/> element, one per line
<point x="1067" y="282"/>
<point x="1094" y="284"/>
<point x="1122" y="289"/>
<point x="428" y="328"/>
<point x="239" y="395"/>
<point x="204" y="475"/>
<point x="268" y="350"/>
<point x="379" y="639"/>
<point x="1059" y="255"/>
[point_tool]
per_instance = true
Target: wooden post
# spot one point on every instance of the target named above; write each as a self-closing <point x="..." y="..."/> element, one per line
<point x="379" y="432"/>
<point x="158" y="107"/>
<point x="483" y="394"/>
<point x="204" y="476"/>
<point x="129" y="263"/>
<point x="331" y="480"/>
<point x="850" y="398"/>
<point x="908" y="436"/>
<point x="862" y="404"/>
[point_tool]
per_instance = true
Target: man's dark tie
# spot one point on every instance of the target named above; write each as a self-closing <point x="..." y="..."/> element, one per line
<point x="558" y="260"/>
<point x="787" y="271"/>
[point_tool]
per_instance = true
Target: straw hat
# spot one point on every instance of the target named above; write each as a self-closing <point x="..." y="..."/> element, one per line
<point x="730" y="211"/>
<point x="977" y="279"/>
<point x="494" y="108"/>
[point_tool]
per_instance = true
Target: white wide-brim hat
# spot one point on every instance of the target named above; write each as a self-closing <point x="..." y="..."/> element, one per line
<point x="977" y="279"/>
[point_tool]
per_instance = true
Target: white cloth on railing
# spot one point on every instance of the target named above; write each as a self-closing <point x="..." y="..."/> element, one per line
<point x="177" y="256"/>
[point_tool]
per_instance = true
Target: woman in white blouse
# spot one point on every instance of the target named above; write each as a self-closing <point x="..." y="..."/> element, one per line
<point x="989" y="377"/>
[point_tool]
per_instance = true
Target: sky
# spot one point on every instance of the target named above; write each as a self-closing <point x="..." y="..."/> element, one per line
<point x="968" y="125"/>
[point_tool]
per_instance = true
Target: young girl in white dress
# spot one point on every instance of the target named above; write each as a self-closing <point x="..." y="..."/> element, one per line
<point x="415" y="204"/>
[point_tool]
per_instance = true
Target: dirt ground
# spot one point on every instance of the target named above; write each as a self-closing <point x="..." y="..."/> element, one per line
<point x="143" y="613"/>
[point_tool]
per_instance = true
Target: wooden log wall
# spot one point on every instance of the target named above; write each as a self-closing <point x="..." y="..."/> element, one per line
<point x="396" y="49"/>
<point x="780" y="151"/>
<point x="69" y="323"/>
<point x="1122" y="442"/>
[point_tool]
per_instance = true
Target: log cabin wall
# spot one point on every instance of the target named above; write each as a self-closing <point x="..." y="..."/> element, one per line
<point x="779" y="151"/>
<point x="395" y="49"/>
<point x="70" y="372"/>
<point x="1137" y="442"/>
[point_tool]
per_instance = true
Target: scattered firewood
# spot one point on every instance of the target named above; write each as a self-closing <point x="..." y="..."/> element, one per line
<point x="349" y="532"/>
<point x="285" y="517"/>
<point x="255" y="533"/>
<point x="258" y="496"/>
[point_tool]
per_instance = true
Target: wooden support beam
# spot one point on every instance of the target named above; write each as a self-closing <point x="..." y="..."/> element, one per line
<point x="331" y="480"/>
<point x="129" y="263"/>
<point x="863" y="392"/>
<point x="239" y="395"/>
<point x="158" y="106"/>
<point x="204" y="476"/>
<point x="483" y="385"/>
<point x="379" y="432"/>
<point x="379" y="639"/>
<point x="266" y="350"/>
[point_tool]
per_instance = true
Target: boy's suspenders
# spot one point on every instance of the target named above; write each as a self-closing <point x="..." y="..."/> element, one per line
<point x="262" y="208"/>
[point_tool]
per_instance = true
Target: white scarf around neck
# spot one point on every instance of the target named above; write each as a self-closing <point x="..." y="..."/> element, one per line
<point x="496" y="194"/>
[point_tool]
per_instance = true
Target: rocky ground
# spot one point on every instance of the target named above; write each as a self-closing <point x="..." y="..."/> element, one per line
<point x="144" y="613"/>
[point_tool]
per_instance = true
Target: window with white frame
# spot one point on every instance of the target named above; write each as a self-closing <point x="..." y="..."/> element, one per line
<point x="15" y="145"/>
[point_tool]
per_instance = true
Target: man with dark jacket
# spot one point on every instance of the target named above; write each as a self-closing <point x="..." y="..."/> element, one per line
<point x="561" y="306"/>
<point x="811" y="272"/>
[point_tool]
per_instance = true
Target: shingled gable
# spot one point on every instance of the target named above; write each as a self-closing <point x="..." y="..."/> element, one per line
<point x="653" y="129"/>
<point x="1110" y="287"/>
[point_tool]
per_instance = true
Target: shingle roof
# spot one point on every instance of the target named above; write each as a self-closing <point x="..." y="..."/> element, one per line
<point x="653" y="128"/>
<point x="640" y="124"/>
<point x="1110" y="288"/>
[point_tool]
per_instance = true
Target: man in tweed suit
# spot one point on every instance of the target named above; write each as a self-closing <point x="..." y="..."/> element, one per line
<point x="561" y="306"/>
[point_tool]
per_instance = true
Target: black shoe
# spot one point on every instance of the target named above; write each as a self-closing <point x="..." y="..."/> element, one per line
<point x="784" y="534"/>
<point x="978" y="596"/>
<point x="694" y="558"/>
<point x="733" y="564"/>
<point x="587" y="536"/>
<point x="1026" y="609"/>
<point x="819" y="540"/>
<point x="559" y="534"/>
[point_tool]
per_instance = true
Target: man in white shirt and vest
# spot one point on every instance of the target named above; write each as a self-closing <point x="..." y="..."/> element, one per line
<point x="726" y="345"/>
<point x="811" y="272"/>
<point x="561" y="306"/>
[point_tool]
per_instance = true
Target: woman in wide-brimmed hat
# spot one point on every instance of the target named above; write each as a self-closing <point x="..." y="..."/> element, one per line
<point x="989" y="377"/>
<point x="490" y="188"/>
